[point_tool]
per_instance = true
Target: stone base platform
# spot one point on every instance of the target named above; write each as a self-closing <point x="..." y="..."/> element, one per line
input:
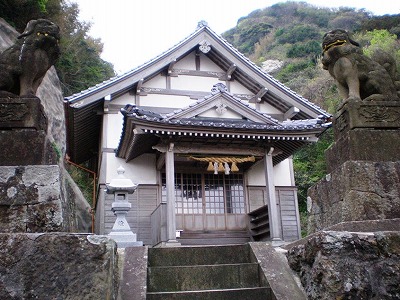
<point x="23" y="133"/>
<point x="357" y="190"/>
<point x="365" y="131"/>
<point x="31" y="200"/>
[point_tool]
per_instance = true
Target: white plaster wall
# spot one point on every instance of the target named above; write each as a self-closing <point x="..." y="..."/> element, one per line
<point x="141" y="170"/>
<point x="237" y="88"/>
<point x="196" y="83"/>
<point x="188" y="62"/>
<point x="114" y="129"/>
<point x="282" y="174"/>
<point x="158" y="81"/>
<point x="124" y="99"/>
<point x="256" y="175"/>
<point x="267" y="108"/>
<point x="208" y="65"/>
<point x="171" y="101"/>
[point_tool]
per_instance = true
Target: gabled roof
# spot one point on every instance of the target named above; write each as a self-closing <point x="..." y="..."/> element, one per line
<point x="222" y="52"/>
<point x="144" y="129"/>
<point x="81" y="107"/>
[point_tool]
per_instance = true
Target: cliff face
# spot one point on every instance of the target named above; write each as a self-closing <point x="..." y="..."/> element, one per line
<point x="20" y="206"/>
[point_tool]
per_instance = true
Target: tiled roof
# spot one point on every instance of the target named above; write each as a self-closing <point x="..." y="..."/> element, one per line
<point x="291" y="125"/>
<point x="202" y="27"/>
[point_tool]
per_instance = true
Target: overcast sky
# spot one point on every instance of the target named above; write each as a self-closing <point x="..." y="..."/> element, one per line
<point x="134" y="32"/>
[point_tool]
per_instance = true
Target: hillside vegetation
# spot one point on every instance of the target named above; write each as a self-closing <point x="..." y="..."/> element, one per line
<point x="285" y="40"/>
<point x="80" y="65"/>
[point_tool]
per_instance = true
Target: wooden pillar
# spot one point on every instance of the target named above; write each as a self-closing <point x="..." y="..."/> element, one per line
<point x="170" y="185"/>
<point x="274" y="216"/>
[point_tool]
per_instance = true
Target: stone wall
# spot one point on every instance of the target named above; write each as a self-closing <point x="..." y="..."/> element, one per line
<point x="348" y="265"/>
<point x="57" y="266"/>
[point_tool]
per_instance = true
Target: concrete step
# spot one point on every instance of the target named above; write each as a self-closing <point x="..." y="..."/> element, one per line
<point x="256" y="293"/>
<point x="207" y="255"/>
<point x="204" y="277"/>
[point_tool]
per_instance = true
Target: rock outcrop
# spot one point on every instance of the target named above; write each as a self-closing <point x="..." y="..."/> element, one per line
<point x="348" y="265"/>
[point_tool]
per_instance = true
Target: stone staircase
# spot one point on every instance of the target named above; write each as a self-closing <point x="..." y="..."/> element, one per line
<point x="206" y="272"/>
<point x="222" y="237"/>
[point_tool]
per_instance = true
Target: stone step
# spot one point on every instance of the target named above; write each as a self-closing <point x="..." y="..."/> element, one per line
<point x="256" y="293"/>
<point x="207" y="255"/>
<point x="204" y="277"/>
<point x="213" y="241"/>
<point x="219" y="237"/>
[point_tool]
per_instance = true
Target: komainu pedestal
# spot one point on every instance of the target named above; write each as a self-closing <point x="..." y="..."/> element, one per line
<point x="365" y="131"/>
<point x="23" y="133"/>
<point x="31" y="197"/>
<point x="364" y="167"/>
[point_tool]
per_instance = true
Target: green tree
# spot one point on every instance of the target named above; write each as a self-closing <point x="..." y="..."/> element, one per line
<point x="19" y="12"/>
<point x="381" y="39"/>
<point x="79" y="65"/>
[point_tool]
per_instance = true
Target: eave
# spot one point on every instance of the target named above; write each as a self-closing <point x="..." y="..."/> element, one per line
<point x="141" y="135"/>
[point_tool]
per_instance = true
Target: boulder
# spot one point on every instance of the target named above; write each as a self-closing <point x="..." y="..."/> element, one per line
<point x="348" y="265"/>
<point x="57" y="266"/>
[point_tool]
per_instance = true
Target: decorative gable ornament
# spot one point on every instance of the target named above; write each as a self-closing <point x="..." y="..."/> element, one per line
<point x="205" y="46"/>
<point x="221" y="108"/>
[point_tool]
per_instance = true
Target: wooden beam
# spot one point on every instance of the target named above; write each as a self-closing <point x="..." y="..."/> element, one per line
<point x="170" y="69"/>
<point x="273" y="214"/>
<point x="197" y="60"/>
<point x="214" y="74"/>
<point x="188" y="93"/>
<point x="139" y="86"/>
<point x="228" y="75"/>
<point x="291" y="113"/>
<point x="170" y="185"/>
<point x="200" y="149"/>
<point x="161" y="161"/>
<point x="260" y="94"/>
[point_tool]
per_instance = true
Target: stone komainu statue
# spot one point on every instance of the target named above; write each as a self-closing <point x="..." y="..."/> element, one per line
<point x="24" y="64"/>
<point x="358" y="76"/>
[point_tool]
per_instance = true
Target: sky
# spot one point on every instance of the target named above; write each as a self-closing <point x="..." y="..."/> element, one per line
<point x="133" y="32"/>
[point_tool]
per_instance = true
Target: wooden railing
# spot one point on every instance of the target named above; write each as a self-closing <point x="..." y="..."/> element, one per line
<point x="259" y="224"/>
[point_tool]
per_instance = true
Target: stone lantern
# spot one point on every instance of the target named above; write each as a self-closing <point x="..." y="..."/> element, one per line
<point x="121" y="232"/>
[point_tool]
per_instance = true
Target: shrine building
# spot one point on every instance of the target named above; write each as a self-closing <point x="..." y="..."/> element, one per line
<point x="207" y="136"/>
